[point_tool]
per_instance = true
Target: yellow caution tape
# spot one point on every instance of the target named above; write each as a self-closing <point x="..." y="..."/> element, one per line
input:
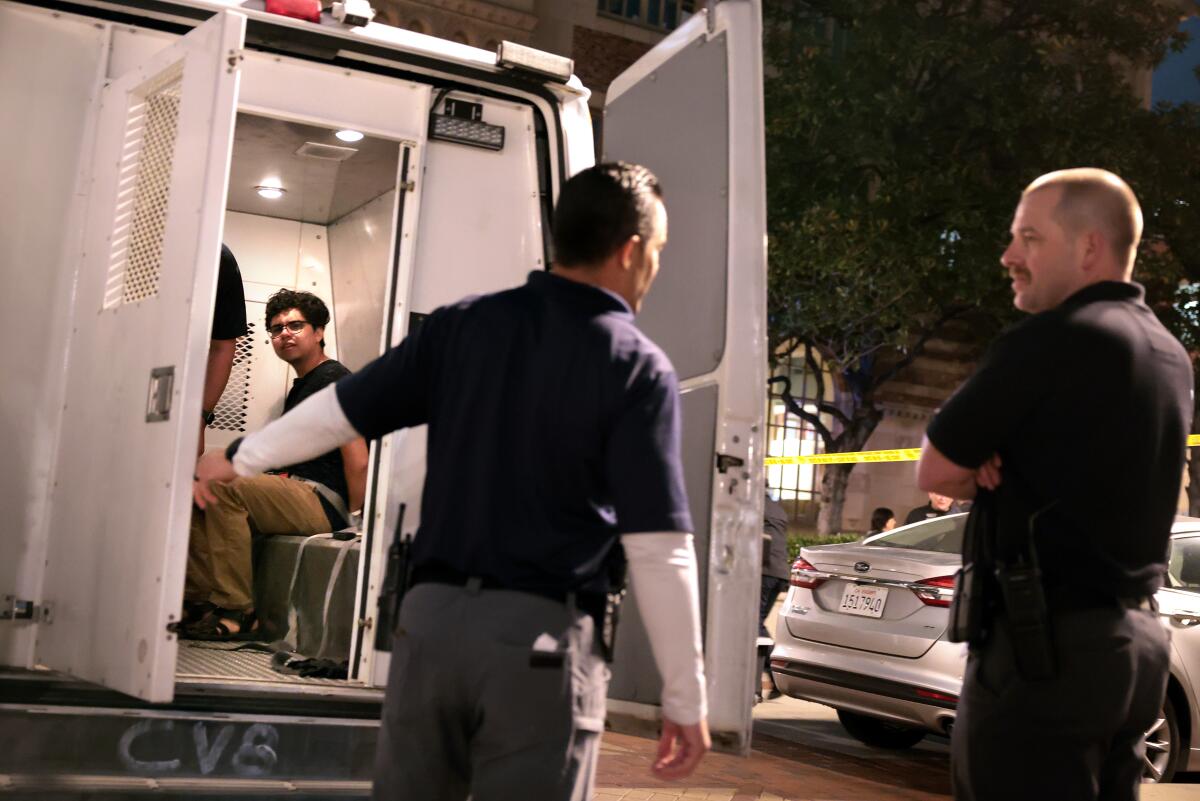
<point x="898" y="455"/>
<point x="860" y="457"/>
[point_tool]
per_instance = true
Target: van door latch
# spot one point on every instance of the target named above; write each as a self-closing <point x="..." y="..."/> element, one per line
<point x="158" y="396"/>
<point x="726" y="461"/>
<point x="15" y="609"/>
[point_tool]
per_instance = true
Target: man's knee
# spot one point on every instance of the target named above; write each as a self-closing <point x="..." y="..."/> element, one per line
<point x="232" y="493"/>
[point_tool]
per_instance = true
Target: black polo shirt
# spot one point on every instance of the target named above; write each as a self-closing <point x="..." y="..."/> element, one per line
<point x="1089" y="406"/>
<point x="554" y="426"/>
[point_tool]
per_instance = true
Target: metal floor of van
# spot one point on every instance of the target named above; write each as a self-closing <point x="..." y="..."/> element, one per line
<point x="208" y="661"/>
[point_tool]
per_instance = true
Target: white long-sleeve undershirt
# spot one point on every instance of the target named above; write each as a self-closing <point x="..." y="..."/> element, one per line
<point x="662" y="565"/>
<point x="662" y="570"/>
<point x="317" y="425"/>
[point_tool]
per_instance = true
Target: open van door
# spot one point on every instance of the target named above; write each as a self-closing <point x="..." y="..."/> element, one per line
<point x="691" y="111"/>
<point x="145" y="282"/>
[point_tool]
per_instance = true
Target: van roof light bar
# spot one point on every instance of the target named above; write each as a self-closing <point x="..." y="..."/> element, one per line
<point x="528" y="59"/>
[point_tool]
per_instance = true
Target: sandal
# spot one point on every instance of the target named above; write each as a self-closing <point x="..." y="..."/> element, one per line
<point x="213" y="627"/>
<point x="194" y="612"/>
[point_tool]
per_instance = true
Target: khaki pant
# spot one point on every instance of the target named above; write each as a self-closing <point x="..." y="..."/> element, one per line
<point x="219" y="569"/>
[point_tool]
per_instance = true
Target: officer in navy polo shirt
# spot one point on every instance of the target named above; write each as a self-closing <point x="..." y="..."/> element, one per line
<point x="1077" y="422"/>
<point x="554" y="430"/>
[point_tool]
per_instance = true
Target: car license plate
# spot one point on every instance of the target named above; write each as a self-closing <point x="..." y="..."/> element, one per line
<point x="861" y="600"/>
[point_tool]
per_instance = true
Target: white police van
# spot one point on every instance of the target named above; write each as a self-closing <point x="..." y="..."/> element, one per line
<point x="389" y="173"/>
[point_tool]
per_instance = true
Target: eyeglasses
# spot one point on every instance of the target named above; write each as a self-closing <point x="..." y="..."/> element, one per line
<point x="295" y="326"/>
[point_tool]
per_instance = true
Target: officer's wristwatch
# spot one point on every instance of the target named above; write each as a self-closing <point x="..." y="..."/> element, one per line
<point x="209" y="416"/>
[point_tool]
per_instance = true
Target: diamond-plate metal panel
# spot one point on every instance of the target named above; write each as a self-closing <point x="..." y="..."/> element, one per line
<point x="212" y="660"/>
<point x="232" y="408"/>
<point x="143" y="189"/>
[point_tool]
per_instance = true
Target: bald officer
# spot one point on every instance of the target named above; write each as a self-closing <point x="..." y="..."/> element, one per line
<point x="554" y="431"/>
<point x="1078" y="419"/>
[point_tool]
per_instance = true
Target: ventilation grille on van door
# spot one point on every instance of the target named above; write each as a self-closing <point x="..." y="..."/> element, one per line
<point x="230" y="411"/>
<point x="143" y="189"/>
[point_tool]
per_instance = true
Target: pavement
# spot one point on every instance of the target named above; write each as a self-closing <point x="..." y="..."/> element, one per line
<point x="801" y="753"/>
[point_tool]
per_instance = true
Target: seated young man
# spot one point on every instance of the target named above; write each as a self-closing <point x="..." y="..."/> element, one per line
<point x="307" y="498"/>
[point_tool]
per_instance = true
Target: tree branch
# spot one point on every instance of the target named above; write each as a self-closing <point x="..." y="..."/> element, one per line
<point x="918" y="348"/>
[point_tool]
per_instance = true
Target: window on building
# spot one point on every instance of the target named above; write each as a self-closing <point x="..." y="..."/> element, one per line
<point x="794" y="486"/>
<point x="664" y="15"/>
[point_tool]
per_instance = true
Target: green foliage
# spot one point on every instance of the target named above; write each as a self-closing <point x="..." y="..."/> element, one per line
<point x="796" y="543"/>
<point x="899" y="137"/>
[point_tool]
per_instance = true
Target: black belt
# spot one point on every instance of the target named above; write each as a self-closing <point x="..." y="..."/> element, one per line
<point x="591" y="602"/>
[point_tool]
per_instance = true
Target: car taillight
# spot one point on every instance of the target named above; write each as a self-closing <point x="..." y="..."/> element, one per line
<point x="804" y="575"/>
<point x="935" y="591"/>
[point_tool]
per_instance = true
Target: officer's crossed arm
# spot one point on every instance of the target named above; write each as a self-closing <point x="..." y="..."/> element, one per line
<point x="937" y="473"/>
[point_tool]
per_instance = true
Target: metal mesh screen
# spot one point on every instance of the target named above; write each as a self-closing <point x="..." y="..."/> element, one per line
<point x="143" y="189"/>
<point x="230" y="410"/>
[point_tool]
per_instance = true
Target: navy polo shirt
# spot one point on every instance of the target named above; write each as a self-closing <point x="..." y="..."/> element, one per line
<point x="554" y="427"/>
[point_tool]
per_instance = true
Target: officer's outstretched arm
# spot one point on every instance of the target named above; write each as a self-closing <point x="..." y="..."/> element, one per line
<point x="314" y="427"/>
<point x="662" y="569"/>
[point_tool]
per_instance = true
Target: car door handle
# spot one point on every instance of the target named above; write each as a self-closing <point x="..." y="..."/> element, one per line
<point x="1186" y="620"/>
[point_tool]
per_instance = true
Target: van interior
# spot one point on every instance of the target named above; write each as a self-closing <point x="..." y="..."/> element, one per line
<point x="309" y="208"/>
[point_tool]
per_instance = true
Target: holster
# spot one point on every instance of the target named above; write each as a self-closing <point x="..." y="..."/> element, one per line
<point x="616" y="569"/>
<point x="396" y="580"/>
<point x="974" y="596"/>
<point x="1028" y="621"/>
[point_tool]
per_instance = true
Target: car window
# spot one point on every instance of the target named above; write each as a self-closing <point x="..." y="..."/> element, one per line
<point x="1183" y="564"/>
<point x="941" y="534"/>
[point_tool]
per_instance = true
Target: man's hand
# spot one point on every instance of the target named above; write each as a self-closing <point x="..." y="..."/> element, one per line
<point x="680" y="749"/>
<point x="988" y="474"/>
<point x="213" y="466"/>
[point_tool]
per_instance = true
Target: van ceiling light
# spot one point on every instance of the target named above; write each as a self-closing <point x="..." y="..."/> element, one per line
<point x="463" y="123"/>
<point x="349" y="136"/>
<point x="270" y="192"/>
<point x="519" y="57"/>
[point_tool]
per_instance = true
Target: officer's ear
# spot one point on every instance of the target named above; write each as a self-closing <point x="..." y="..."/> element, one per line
<point x="628" y="252"/>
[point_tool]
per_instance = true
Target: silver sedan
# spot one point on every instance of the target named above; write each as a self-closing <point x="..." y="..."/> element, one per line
<point x="862" y="629"/>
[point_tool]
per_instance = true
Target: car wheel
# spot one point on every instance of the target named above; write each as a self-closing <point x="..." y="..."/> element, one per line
<point x="880" y="733"/>
<point x="1162" y="747"/>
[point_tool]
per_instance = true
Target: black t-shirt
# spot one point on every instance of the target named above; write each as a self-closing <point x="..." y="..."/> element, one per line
<point x="554" y="426"/>
<point x="1089" y="406"/>
<point x="229" y="312"/>
<point x="328" y="468"/>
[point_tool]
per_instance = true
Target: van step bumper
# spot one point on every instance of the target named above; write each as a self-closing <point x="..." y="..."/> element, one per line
<point x="85" y="786"/>
<point x="79" y="752"/>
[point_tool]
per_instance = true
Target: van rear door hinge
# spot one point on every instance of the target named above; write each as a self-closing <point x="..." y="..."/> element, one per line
<point x="15" y="608"/>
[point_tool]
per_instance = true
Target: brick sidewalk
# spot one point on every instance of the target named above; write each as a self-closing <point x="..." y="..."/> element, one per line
<point x="775" y="771"/>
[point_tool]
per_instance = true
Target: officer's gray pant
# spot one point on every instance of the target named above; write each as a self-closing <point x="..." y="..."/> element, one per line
<point x="472" y="710"/>
<point x="1078" y="736"/>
